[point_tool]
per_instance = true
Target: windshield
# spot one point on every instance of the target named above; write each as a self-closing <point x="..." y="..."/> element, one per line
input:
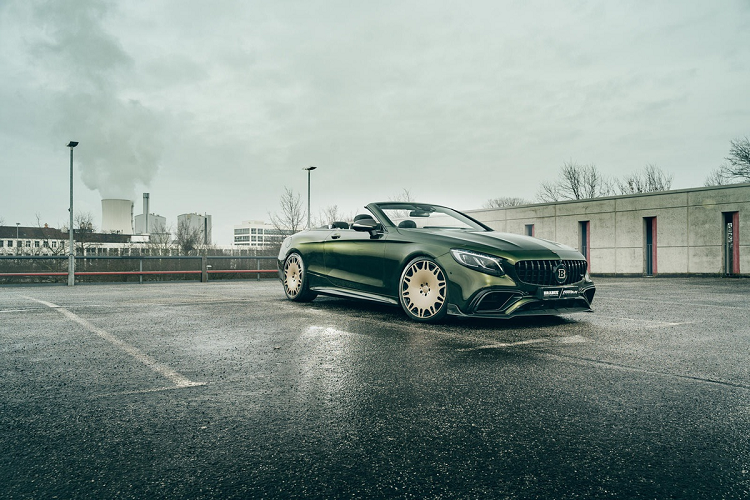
<point x="423" y="216"/>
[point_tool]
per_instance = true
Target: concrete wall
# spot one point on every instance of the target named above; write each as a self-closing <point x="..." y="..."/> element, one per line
<point x="689" y="228"/>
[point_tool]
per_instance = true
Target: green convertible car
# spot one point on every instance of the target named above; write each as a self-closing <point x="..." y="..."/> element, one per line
<point x="433" y="261"/>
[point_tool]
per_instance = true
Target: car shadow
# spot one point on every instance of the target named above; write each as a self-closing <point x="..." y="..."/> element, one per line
<point x="393" y="313"/>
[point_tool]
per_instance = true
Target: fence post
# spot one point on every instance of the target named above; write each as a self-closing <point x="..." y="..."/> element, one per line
<point x="141" y="271"/>
<point x="257" y="266"/>
<point x="204" y="269"/>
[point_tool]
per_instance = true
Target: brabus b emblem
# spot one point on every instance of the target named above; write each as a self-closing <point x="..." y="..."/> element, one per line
<point x="561" y="273"/>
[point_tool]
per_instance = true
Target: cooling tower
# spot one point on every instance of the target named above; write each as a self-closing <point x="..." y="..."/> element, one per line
<point x="117" y="216"/>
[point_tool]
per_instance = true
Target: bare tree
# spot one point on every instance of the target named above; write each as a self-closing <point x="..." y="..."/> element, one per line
<point x="405" y="196"/>
<point x="160" y="239"/>
<point x="649" y="180"/>
<point x="576" y="182"/>
<point x="717" y="177"/>
<point x="189" y="237"/>
<point x="549" y="192"/>
<point x="292" y="216"/>
<point x="50" y="238"/>
<point x="504" y="202"/>
<point x="84" y="228"/>
<point x="331" y="214"/>
<point x="739" y="160"/>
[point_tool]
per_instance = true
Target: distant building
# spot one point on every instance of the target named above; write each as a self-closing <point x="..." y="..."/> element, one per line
<point x="148" y="223"/>
<point x="17" y="240"/>
<point x="156" y="224"/>
<point x="117" y="216"/>
<point x="196" y="221"/>
<point x="257" y="234"/>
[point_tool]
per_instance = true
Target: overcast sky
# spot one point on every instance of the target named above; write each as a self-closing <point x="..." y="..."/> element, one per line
<point x="215" y="107"/>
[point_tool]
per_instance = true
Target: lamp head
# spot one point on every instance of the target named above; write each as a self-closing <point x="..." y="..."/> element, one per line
<point x="309" y="168"/>
<point x="72" y="144"/>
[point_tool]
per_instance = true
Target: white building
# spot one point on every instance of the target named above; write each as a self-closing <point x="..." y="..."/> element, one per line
<point x="198" y="222"/>
<point x="156" y="224"/>
<point x="257" y="234"/>
<point x="149" y="223"/>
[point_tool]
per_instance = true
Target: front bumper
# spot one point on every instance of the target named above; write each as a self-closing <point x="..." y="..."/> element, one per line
<point x="498" y="302"/>
<point x="476" y="294"/>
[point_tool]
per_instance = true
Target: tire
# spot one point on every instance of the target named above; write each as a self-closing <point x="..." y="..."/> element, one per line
<point x="423" y="290"/>
<point x="295" y="280"/>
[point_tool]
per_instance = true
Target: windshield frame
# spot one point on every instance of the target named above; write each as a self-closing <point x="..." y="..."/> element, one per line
<point x="379" y="210"/>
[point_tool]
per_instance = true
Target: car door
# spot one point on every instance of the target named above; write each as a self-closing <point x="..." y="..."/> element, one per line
<point x="354" y="260"/>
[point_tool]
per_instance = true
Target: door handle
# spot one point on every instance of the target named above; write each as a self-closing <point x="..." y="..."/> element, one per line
<point x="335" y="236"/>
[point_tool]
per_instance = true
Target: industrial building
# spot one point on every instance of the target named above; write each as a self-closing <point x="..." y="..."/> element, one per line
<point x="118" y="236"/>
<point x="682" y="232"/>
<point x="147" y="222"/>
<point x="197" y="222"/>
<point x="117" y="216"/>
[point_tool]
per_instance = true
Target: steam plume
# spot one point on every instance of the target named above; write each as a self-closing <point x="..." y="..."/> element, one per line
<point x="121" y="139"/>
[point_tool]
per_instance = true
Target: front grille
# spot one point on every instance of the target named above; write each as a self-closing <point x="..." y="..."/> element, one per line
<point x="541" y="272"/>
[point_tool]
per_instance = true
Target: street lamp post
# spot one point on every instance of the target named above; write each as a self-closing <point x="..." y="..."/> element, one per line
<point x="309" y="169"/>
<point x="71" y="252"/>
<point x="18" y="242"/>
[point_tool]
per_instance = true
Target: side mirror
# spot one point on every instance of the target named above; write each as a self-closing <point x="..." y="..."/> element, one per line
<point x="369" y="225"/>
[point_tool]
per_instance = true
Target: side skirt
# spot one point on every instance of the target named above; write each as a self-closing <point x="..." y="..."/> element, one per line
<point x="353" y="294"/>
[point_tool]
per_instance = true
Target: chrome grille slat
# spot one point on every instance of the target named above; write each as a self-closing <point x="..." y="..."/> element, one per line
<point x="540" y="272"/>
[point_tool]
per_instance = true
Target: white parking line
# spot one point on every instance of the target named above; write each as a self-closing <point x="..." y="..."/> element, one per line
<point x="177" y="379"/>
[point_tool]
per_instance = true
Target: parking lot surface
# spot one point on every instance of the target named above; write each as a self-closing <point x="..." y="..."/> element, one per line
<point x="227" y="390"/>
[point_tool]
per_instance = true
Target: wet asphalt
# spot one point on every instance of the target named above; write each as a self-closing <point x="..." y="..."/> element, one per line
<point x="227" y="390"/>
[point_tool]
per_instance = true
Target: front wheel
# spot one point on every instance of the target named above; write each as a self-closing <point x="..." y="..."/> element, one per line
<point x="296" y="282"/>
<point x="423" y="290"/>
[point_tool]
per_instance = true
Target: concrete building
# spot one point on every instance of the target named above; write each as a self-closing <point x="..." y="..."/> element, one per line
<point x="197" y="222"/>
<point x="117" y="216"/>
<point x="257" y="234"/>
<point x="691" y="231"/>
<point x="154" y="223"/>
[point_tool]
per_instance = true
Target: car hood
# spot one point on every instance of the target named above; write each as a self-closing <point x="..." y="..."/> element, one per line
<point x="514" y="246"/>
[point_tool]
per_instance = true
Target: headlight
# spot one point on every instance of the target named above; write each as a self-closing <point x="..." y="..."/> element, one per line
<point x="481" y="262"/>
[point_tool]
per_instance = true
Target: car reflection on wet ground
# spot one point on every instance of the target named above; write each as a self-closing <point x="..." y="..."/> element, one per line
<point x="228" y="390"/>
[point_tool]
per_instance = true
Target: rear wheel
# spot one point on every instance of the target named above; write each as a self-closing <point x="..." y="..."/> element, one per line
<point x="296" y="282"/>
<point x="423" y="290"/>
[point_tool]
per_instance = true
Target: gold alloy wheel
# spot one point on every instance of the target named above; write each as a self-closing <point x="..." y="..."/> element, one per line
<point x="293" y="275"/>
<point x="423" y="289"/>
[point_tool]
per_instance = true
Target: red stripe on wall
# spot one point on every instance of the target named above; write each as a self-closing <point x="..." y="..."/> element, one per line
<point x="736" y="240"/>
<point x="588" y="244"/>
<point x="653" y="248"/>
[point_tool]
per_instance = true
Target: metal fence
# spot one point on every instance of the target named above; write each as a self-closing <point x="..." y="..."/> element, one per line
<point x="54" y="269"/>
